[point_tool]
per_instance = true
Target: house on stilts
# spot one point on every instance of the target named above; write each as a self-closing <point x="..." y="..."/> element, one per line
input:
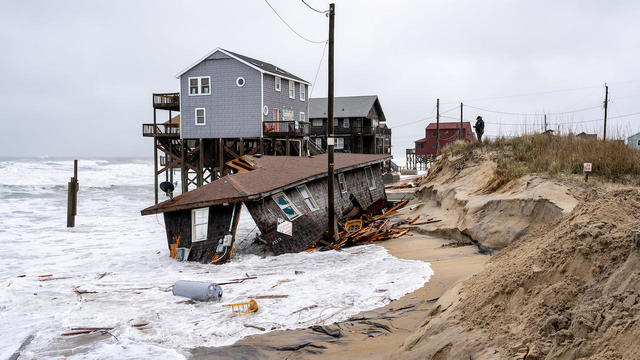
<point x="285" y="195"/>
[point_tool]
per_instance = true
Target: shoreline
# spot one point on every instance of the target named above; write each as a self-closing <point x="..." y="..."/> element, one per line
<point x="370" y="334"/>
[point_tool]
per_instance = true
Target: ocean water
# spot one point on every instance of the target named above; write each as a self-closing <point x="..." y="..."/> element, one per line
<point x="111" y="237"/>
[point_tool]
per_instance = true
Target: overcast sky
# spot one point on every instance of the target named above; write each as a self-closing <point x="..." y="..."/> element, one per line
<point x="77" y="76"/>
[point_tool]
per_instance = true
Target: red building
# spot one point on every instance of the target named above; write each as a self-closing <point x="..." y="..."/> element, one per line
<point x="449" y="132"/>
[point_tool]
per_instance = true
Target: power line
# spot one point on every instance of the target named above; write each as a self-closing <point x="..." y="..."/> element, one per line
<point x="318" y="11"/>
<point x="533" y="114"/>
<point x="318" y="70"/>
<point x="290" y="28"/>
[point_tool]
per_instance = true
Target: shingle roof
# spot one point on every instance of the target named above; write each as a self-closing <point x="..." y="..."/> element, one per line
<point x="272" y="174"/>
<point x="259" y="64"/>
<point x="346" y="106"/>
<point x="449" y="125"/>
<point x="266" y="66"/>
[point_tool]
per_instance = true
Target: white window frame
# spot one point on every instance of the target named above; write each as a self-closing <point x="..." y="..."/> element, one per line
<point x="199" y="78"/>
<point x="340" y="141"/>
<point x="289" y="204"/>
<point x="314" y="205"/>
<point x="371" y="182"/>
<point x="194" y="224"/>
<point x="292" y="89"/>
<point x="238" y="81"/>
<point x="319" y="142"/>
<point x="342" y="183"/>
<point x="303" y="94"/>
<point x="204" y="116"/>
<point x="314" y="122"/>
<point x="336" y="122"/>
<point x="345" y="123"/>
<point x="303" y="117"/>
<point x="278" y="84"/>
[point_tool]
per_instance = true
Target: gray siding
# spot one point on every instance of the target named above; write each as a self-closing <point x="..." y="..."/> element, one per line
<point x="280" y="99"/>
<point x="231" y="111"/>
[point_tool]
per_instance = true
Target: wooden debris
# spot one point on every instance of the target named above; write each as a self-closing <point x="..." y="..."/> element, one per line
<point x="282" y="281"/>
<point x="75" y="289"/>
<point x="238" y="281"/>
<point x="305" y="308"/>
<point x="189" y="302"/>
<point x="269" y="297"/>
<point x="255" y="327"/>
<point x="42" y="276"/>
<point x="54" y="278"/>
<point x="140" y="325"/>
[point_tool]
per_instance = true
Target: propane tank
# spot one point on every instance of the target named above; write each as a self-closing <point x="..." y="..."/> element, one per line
<point x="197" y="290"/>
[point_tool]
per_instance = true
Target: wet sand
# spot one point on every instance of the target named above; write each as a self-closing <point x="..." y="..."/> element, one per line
<point x="374" y="334"/>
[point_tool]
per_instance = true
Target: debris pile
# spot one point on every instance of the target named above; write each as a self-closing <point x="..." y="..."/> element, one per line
<point x="365" y="228"/>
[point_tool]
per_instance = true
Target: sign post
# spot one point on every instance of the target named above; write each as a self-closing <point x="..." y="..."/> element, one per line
<point x="587" y="169"/>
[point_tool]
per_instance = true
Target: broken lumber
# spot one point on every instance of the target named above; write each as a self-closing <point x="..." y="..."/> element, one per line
<point x="254" y="326"/>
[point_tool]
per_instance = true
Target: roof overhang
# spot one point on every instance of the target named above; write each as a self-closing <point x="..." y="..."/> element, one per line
<point x="179" y="75"/>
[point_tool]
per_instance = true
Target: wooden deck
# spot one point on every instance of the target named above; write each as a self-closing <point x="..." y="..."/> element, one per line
<point x="161" y="130"/>
<point x="167" y="101"/>
<point x="285" y="128"/>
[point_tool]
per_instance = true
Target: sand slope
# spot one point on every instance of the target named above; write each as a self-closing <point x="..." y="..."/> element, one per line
<point x="566" y="290"/>
<point x="456" y="192"/>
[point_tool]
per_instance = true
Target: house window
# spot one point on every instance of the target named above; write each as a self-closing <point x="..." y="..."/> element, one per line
<point x="370" y="181"/>
<point x="240" y="81"/>
<point x="286" y="206"/>
<point x="342" y="183"/>
<point x="199" y="224"/>
<point x="335" y="123"/>
<point x="435" y="133"/>
<point x="308" y="199"/>
<point x="199" y="85"/>
<point x="303" y="117"/>
<point x="278" y="84"/>
<point x="638" y="142"/>
<point x="201" y="118"/>
<point x="316" y="122"/>
<point x="339" y="143"/>
<point x="345" y="123"/>
<point x="302" y="92"/>
<point x="276" y="115"/>
<point x="319" y="142"/>
<point x="292" y="89"/>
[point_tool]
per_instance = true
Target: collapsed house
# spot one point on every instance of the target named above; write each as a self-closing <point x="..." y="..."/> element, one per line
<point x="287" y="198"/>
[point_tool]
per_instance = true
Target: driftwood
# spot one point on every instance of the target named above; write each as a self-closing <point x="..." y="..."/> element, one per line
<point x="305" y="308"/>
<point x="54" y="278"/>
<point x="238" y="281"/>
<point x="281" y="281"/>
<point x="269" y="297"/>
<point x="140" y="324"/>
<point x="255" y="327"/>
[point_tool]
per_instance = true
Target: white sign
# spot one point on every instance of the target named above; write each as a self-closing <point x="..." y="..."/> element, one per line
<point x="587" y="167"/>
<point x="330" y="141"/>
<point x="285" y="227"/>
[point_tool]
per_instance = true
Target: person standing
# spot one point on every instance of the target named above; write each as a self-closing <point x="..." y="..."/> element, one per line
<point x="479" y="126"/>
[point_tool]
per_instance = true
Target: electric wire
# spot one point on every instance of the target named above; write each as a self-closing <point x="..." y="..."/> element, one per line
<point x="318" y="11"/>
<point x="534" y="114"/>
<point x="313" y="86"/>
<point x="291" y="28"/>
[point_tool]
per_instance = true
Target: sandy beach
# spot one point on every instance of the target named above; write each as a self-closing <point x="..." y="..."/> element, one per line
<point x="374" y="334"/>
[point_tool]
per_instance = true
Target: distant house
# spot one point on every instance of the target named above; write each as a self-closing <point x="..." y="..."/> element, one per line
<point x="358" y="124"/>
<point x="587" y="136"/>
<point x="275" y="190"/>
<point x="633" y="141"/>
<point x="449" y="132"/>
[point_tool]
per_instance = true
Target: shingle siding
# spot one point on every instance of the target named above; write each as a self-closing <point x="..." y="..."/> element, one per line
<point x="231" y="111"/>
<point x="280" y="99"/>
<point x="312" y="224"/>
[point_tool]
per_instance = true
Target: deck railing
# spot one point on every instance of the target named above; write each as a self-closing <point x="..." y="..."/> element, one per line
<point x="383" y="131"/>
<point x="168" y="100"/>
<point x="165" y="130"/>
<point x="364" y="130"/>
<point x="285" y="128"/>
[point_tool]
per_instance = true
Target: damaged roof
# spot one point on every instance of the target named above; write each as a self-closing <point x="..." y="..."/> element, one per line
<point x="347" y="106"/>
<point x="272" y="174"/>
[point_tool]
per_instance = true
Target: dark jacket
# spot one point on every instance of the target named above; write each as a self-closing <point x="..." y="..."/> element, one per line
<point x="479" y="126"/>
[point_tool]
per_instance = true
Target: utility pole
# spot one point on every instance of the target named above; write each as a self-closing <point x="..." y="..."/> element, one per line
<point x="437" y="127"/>
<point x="331" y="139"/>
<point x="606" y="102"/>
<point x="461" y="136"/>
<point x="545" y="122"/>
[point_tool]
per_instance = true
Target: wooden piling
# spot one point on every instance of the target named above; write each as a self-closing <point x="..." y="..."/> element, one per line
<point x="72" y="197"/>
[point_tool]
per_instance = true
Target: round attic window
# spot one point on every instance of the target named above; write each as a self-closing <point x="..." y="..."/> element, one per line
<point x="265" y="110"/>
<point x="240" y="81"/>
